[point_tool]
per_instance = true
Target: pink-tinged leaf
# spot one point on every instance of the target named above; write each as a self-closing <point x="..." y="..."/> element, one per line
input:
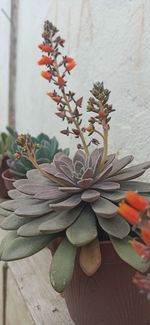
<point x="106" y="186"/>
<point x="88" y="173"/>
<point x="90" y="195"/>
<point x="104" y="173"/>
<point x="63" y="179"/>
<point x="110" y="159"/>
<point x="119" y="164"/>
<point x="90" y="257"/>
<point x="79" y="156"/>
<point x="124" y="176"/>
<point x="50" y="169"/>
<point x="85" y="183"/>
<point x="70" y="189"/>
<point x="70" y="203"/>
<point x="50" y="194"/>
<point x="115" y="196"/>
<point x="95" y="159"/>
<point x="66" y="171"/>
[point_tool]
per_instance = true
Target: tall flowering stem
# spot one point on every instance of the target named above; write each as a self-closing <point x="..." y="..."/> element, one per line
<point x="57" y="68"/>
<point x="98" y="104"/>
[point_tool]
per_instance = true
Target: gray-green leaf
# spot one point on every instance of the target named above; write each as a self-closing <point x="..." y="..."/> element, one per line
<point x="84" y="229"/>
<point x="128" y="255"/>
<point x="62" y="265"/>
<point x="115" y="226"/>
<point x="22" y="247"/>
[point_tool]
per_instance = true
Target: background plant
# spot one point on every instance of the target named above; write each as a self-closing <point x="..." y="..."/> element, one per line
<point x="43" y="148"/>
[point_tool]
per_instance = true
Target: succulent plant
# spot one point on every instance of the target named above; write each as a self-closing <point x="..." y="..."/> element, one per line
<point x="79" y="205"/>
<point x="75" y="200"/>
<point x="47" y="148"/>
<point x="6" y="140"/>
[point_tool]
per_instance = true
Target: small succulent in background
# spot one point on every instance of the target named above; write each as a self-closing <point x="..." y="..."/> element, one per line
<point x="73" y="199"/>
<point x="6" y="140"/>
<point x="44" y="149"/>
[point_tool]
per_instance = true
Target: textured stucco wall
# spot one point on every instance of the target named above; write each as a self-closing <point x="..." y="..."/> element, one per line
<point x="110" y="41"/>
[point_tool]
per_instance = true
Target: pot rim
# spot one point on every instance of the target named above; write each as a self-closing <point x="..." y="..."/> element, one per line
<point x="6" y="177"/>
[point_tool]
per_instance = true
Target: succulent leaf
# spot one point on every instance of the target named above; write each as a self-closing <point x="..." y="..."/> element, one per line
<point x="13" y="222"/>
<point x="115" y="196"/>
<point x="32" y="227"/>
<point x="128" y="255"/>
<point x="35" y="210"/>
<point x="21" y="247"/>
<point x="141" y="187"/>
<point x="62" y="265"/>
<point x="104" y="208"/>
<point x="61" y="221"/>
<point x="116" y="226"/>
<point x="90" y="195"/>
<point x="119" y="164"/>
<point x="4" y="212"/>
<point x="84" y="229"/>
<point x="69" y="203"/>
<point x="6" y="241"/>
<point x="90" y="257"/>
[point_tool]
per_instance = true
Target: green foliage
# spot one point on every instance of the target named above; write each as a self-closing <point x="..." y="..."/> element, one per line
<point x="62" y="265"/>
<point x="6" y="140"/>
<point x="45" y="154"/>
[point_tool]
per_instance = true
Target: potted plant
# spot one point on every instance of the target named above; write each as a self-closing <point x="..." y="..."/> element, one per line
<point x="73" y="203"/>
<point x="6" y="140"/>
<point x="45" y="150"/>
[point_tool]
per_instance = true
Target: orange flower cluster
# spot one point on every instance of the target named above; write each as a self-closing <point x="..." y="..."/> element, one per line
<point x="135" y="211"/>
<point x="70" y="63"/>
<point x="133" y="207"/>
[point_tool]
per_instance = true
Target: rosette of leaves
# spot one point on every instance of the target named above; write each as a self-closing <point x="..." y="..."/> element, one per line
<point x="45" y="154"/>
<point x="76" y="202"/>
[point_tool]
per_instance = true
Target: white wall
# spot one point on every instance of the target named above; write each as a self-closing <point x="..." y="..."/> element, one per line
<point x="4" y="62"/>
<point x="110" y="41"/>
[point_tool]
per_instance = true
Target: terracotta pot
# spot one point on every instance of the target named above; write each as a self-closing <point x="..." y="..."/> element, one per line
<point x="8" y="178"/>
<point x="3" y="167"/>
<point x="108" y="297"/>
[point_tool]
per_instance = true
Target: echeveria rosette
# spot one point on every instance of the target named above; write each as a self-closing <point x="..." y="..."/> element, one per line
<point x="79" y="207"/>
